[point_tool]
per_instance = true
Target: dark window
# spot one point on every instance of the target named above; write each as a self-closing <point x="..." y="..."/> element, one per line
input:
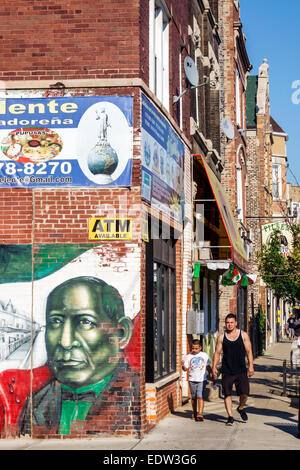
<point x="242" y="308"/>
<point x="160" y="306"/>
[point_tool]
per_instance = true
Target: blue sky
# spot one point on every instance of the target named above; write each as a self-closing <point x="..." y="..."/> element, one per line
<point x="272" y="31"/>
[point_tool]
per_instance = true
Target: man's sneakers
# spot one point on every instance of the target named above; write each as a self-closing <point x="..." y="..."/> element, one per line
<point x="229" y="421"/>
<point x="243" y="414"/>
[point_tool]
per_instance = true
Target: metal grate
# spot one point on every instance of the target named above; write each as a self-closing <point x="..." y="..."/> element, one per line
<point x="291" y="379"/>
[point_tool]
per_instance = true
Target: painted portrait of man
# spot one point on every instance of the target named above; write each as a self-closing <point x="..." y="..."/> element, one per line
<point x="69" y="340"/>
<point x="86" y="332"/>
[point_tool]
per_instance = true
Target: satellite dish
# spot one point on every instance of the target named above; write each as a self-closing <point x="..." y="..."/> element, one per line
<point x="191" y="71"/>
<point x="227" y="128"/>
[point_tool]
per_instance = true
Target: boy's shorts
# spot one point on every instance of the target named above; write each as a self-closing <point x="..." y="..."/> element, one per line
<point x="197" y="389"/>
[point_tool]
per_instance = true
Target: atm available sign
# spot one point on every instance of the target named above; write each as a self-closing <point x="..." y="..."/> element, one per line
<point x="110" y="229"/>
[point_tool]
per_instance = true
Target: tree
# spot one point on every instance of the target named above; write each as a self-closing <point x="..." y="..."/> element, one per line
<point x="281" y="274"/>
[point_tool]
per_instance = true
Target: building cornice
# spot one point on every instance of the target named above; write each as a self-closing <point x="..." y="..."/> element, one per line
<point x="241" y="45"/>
<point x="281" y="134"/>
<point x="94" y="83"/>
<point x="212" y="20"/>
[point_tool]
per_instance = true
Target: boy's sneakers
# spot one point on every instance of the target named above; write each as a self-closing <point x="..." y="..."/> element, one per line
<point x="229" y="421"/>
<point x="243" y="414"/>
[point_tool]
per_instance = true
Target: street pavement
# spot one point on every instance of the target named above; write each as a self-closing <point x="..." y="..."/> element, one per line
<point x="272" y="423"/>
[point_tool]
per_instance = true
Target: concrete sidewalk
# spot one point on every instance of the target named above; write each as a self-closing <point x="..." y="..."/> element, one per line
<point x="272" y="424"/>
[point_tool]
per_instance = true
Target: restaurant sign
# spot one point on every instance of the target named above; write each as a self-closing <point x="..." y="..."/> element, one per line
<point x="66" y="141"/>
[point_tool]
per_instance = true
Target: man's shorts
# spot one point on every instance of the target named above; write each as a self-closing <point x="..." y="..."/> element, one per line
<point x="241" y="382"/>
<point x="197" y="389"/>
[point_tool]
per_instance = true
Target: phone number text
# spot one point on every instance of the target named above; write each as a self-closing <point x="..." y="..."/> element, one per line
<point x="29" y="168"/>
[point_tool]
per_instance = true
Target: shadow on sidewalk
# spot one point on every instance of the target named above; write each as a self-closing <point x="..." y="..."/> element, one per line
<point x="187" y="414"/>
<point x="286" y="428"/>
<point x="269" y="385"/>
<point x="268" y="368"/>
<point x="268" y="376"/>
<point x="277" y="414"/>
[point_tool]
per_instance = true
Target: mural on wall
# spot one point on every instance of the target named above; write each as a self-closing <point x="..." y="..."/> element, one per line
<point x="66" y="141"/>
<point x="76" y="328"/>
<point x="162" y="163"/>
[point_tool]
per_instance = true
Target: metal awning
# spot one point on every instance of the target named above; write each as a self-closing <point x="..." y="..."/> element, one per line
<point x="238" y="253"/>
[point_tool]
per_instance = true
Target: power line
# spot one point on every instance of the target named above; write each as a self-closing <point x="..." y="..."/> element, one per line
<point x="288" y="167"/>
<point x="271" y="217"/>
<point x="281" y="275"/>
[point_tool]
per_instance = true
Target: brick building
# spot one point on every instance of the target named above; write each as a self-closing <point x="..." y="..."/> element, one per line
<point x="293" y="197"/>
<point x="92" y="191"/>
<point x="280" y="210"/>
<point x="117" y="182"/>
<point x="277" y="307"/>
<point x="235" y="68"/>
<point x="205" y="140"/>
<point x="266" y="149"/>
<point x="217" y="47"/>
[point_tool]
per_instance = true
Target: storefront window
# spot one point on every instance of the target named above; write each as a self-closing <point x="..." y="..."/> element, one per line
<point x="161" y="309"/>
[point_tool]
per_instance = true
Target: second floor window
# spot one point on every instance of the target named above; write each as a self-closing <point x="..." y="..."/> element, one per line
<point x="237" y="98"/>
<point x="276" y="170"/>
<point x="159" y="51"/>
<point x="240" y="204"/>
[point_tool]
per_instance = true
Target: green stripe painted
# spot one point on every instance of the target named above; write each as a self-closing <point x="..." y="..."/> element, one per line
<point x="16" y="260"/>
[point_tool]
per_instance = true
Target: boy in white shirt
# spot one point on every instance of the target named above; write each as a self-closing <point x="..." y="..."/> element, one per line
<point x="197" y="363"/>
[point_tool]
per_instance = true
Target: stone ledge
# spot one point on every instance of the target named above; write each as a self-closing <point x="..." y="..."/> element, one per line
<point x="165" y="381"/>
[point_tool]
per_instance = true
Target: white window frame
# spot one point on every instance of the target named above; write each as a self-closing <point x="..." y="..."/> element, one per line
<point x="205" y="304"/>
<point x="213" y="306"/>
<point x="237" y="98"/>
<point x="295" y="208"/>
<point x="159" y="19"/>
<point x="180" y="86"/>
<point x="239" y="187"/>
<point x="278" y="180"/>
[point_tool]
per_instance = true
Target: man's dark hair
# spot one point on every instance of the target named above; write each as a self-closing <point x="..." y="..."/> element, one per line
<point x="196" y="341"/>
<point x="108" y="298"/>
<point x="230" y="315"/>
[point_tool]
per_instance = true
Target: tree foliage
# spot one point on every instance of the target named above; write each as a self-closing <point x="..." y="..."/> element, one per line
<point x="281" y="274"/>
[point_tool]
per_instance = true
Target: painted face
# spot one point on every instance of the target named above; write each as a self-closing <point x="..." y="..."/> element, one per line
<point x="81" y="341"/>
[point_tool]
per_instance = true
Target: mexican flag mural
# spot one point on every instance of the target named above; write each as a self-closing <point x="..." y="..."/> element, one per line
<point x="28" y="276"/>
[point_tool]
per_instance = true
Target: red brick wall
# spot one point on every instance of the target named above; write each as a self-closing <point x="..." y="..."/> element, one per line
<point x="228" y="68"/>
<point x="77" y="39"/>
<point x="41" y="216"/>
<point x="55" y="40"/>
<point x="61" y="215"/>
<point x="16" y="215"/>
<point x="167" y="399"/>
<point x="234" y="152"/>
<point x="84" y="39"/>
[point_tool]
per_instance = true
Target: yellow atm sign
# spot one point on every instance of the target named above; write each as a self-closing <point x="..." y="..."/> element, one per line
<point x="105" y="228"/>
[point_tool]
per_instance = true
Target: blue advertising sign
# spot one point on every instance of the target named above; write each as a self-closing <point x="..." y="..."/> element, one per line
<point x="162" y="162"/>
<point x="66" y="141"/>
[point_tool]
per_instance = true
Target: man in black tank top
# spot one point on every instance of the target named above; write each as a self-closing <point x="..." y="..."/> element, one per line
<point x="235" y="345"/>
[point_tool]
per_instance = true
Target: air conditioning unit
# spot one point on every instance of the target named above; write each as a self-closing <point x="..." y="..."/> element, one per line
<point x="195" y="322"/>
